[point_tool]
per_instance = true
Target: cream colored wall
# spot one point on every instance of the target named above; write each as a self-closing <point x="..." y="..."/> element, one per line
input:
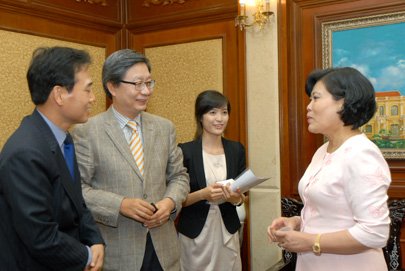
<point x="181" y="72"/>
<point x="263" y="138"/>
<point x="15" y="55"/>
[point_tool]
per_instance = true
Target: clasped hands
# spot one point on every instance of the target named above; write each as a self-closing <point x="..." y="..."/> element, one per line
<point x="280" y="229"/>
<point x="216" y="192"/>
<point x="284" y="231"/>
<point x="151" y="215"/>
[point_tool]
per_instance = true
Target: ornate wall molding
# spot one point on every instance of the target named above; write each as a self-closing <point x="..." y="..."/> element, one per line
<point x="101" y="2"/>
<point x="146" y="3"/>
<point x="345" y="24"/>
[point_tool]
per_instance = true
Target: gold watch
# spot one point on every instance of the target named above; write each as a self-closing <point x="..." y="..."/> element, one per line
<point x="316" y="248"/>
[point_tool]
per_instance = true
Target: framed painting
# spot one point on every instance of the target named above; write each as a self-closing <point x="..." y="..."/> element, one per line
<point x="375" y="45"/>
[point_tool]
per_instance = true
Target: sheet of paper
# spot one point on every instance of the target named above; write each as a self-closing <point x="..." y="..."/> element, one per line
<point x="246" y="180"/>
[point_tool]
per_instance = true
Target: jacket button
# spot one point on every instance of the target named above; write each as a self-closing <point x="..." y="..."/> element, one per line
<point x="145" y="196"/>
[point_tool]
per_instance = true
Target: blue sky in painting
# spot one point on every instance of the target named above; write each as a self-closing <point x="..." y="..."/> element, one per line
<point x="378" y="52"/>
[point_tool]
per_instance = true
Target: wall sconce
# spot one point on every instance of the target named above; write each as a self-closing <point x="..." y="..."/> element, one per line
<point x="260" y="17"/>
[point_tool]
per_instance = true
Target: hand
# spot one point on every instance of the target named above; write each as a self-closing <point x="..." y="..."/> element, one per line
<point x="212" y="192"/>
<point x="230" y="196"/>
<point x="295" y="241"/>
<point x="97" y="260"/>
<point x="137" y="209"/>
<point x="164" y="208"/>
<point x="282" y="223"/>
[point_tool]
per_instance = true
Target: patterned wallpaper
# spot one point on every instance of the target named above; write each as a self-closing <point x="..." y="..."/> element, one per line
<point x="15" y="56"/>
<point x="181" y="72"/>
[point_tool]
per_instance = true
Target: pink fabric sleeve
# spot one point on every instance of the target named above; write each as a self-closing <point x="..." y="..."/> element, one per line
<point x="368" y="179"/>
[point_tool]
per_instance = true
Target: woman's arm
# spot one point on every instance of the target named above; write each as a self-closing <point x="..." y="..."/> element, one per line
<point x="366" y="180"/>
<point x="212" y="192"/>
<point x="340" y="242"/>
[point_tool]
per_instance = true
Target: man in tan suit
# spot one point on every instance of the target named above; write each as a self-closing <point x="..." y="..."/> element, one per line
<point x="134" y="194"/>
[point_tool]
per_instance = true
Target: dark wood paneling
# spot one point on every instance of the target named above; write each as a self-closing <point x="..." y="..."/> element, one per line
<point x="110" y="12"/>
<point x="33" y="25"/>
<point x="158" y="17"/>
<point x="300" y="52"/>
<point x="397" y="188"/>
<point x="82" y="13"/>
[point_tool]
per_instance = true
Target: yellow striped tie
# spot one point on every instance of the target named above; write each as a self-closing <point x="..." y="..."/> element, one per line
<point x="135" y="145"/>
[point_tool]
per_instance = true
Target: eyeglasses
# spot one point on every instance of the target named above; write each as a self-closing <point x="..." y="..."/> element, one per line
<point x="141" y="85"/>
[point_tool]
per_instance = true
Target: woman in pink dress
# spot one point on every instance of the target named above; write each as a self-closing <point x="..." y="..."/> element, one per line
<point x="345" y="220"/>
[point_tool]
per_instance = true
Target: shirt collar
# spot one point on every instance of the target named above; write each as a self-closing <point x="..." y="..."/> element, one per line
<point x="123" y="120"/>
<point x="59" y="134"/>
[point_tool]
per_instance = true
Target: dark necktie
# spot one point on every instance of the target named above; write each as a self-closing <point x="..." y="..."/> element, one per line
<point x="69" y="154"/>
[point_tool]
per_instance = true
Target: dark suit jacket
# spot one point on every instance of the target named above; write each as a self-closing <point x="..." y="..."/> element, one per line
<point x="44" y="222"/>
<point x="192" y="218"/>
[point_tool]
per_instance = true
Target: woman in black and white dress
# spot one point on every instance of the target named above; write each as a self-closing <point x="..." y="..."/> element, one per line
<point x="208" y="223"/>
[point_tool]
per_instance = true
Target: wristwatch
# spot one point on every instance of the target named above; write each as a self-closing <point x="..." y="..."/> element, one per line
<point x="242" y="199"/>
<point x="238" y="203"/>
<point x="316" y="248"/>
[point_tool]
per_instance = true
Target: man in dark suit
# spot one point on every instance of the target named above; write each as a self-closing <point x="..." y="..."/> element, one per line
<point x="45" y="224"/>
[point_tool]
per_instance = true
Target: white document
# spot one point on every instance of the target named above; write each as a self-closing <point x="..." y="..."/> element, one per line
<point x="246" y="180"/>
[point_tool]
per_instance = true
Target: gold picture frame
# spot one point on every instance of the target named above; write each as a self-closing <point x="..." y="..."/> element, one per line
<point x="387" y="128"/>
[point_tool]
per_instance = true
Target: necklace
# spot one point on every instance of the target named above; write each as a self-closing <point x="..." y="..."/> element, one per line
<point x="215" y="164"/>
<point x="217" y="161"/>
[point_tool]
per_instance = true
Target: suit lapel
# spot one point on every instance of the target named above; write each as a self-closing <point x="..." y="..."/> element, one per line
<point x="72" y="188"/>
<point x="149" y="134"/>
<point x="118" y="139"/>
<point x="229" y="155"/>
<point x="199" y="163"/>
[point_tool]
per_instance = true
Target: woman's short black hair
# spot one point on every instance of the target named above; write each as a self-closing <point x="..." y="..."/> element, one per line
<point x="206" y="101"/>
<point x="349" y="84"/>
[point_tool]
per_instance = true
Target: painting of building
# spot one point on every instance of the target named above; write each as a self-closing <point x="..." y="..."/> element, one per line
<point x="386" y="128"/>
<point x="376" y="50"/>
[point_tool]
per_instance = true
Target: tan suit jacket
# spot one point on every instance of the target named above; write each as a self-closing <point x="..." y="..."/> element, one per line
<point x="109" y="173"/>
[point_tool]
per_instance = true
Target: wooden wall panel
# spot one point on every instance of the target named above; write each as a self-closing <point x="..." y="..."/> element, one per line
<point x="102" y="11"/>
<point x="300" y="52"/>
<point x="82" y="13"/>
<point x="143" y="18"/>
<point x="47" y="28"/>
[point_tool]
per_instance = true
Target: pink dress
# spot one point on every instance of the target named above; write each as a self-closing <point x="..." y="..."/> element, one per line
<point x="347" y="189"/>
